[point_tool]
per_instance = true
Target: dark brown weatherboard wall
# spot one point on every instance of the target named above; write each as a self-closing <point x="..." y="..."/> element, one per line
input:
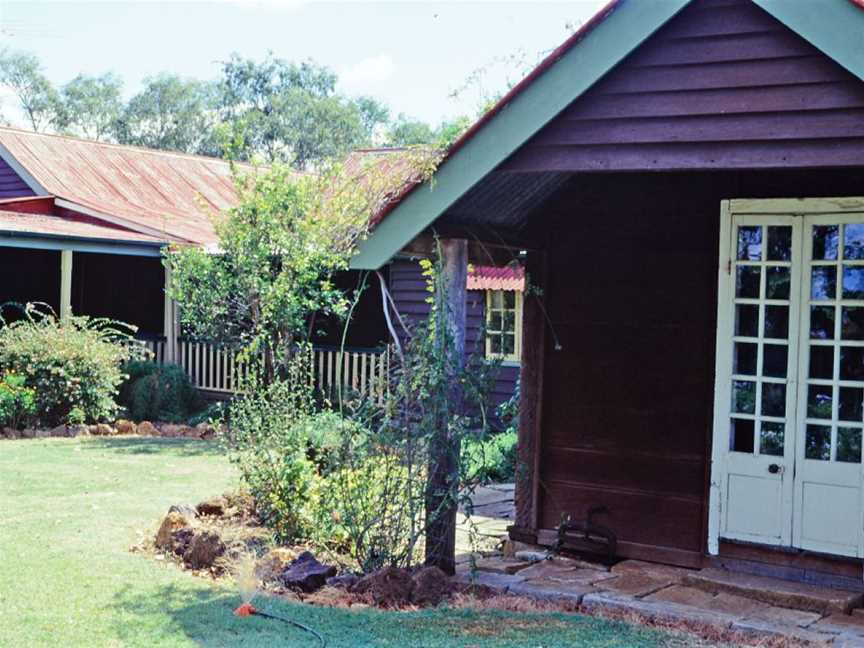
<point x="718" y="103"/>
<point x="408" y="287"/>
<point x="722" y="85"/>
<point x="11" y="185"/>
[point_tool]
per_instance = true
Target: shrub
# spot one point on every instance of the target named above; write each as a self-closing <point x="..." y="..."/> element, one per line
<point x="492" y="459"/>
<point x="159" y="393"/>
<point x="17" y="401"/>
<point x="74" y="364"/>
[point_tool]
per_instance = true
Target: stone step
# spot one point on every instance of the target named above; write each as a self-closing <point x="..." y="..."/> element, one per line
<point x="775" y="591"/>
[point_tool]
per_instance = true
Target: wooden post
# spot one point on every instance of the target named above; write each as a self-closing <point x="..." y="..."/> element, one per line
<point x="530" y="401"/>
<point x="170" y="321"/>
<point x="443" y="480"/>
<point x="65" y="285"/>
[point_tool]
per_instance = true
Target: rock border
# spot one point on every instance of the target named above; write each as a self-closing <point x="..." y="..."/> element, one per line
<point x="120" y="427"/>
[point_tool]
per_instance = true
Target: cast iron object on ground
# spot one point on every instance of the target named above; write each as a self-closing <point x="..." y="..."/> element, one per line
<point x="306" y="574"/>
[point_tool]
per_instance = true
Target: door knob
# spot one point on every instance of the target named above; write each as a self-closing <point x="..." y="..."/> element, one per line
<point x="774" y="469"/>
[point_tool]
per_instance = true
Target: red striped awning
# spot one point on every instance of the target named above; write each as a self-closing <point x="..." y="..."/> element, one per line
<point x="494" y="278"/>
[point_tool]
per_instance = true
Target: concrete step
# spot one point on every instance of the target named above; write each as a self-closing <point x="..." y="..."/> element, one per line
<point x="774" y="591"/>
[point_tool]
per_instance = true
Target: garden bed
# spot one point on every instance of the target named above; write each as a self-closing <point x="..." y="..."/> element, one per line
<point x="121" y="427"/>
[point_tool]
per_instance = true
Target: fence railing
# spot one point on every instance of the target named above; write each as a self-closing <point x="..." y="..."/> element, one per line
<point x="215" y="369"/>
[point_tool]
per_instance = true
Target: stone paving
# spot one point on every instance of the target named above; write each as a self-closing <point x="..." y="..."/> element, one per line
<point x="709" y="600"/>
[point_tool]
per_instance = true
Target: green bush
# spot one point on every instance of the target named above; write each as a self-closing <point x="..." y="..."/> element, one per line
<point x="492" y="459"/>
<point x="70" y="365"/>
<point x="159" y="393"/>
<point x="17" y="401"/>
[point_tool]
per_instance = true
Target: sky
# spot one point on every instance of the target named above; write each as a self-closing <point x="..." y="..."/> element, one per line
<point x="411" y="55"/>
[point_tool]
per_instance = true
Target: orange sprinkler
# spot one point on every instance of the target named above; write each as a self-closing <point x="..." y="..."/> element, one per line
<point x="245" y="610"/>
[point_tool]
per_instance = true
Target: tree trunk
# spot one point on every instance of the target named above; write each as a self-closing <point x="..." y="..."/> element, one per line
<point x="442" y="488"/>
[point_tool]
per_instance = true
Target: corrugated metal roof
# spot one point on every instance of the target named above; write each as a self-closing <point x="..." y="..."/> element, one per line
<point x="158" y="191"/>
<point x="41" y="224"/>
<point x="494" y="278"/>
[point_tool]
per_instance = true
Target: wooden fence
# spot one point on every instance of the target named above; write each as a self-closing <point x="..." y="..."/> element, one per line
<point x="215" y="369"/>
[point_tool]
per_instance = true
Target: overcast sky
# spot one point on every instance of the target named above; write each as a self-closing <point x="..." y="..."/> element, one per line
<point x="411" y="55"/>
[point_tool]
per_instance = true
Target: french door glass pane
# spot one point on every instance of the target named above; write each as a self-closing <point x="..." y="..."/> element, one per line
<point x="818" y="442"/>
<point x="823" y="283"/>
<point x="853" y="241"/>
<point x="852" y="327"/>
<point x="849" y="445"/>
<point x="750" y="243"/>
<point x="771" y="438"/>
<point x="821" y="322"/>
<point x="779" y="242"/>
<point x="825" y="239"/>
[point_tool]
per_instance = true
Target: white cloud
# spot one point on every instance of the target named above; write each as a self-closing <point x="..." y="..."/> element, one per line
<point x="373" y="69"/>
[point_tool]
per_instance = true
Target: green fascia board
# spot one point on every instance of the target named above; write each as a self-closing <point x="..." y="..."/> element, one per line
<point x="49" y="242"/>
<point x="628" y="25"/>
<point x="836" y="27"/>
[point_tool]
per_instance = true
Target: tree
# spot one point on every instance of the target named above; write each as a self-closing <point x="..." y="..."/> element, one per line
<point x="22" y="74"/>
<point x="91" y="106"/>
<point x="291" y="112"/>
<point x="279" y="249"/>
<point x="405" y="131"/>
<point x="171" y="113"/>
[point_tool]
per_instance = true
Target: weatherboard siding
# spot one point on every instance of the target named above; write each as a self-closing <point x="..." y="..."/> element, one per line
<point x="723" y="85"/>
<point x="408" y="288"/>
<point x="11" y="184"/>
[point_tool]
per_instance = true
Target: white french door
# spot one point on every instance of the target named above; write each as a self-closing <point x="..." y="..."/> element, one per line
<point x="789" y="397"/>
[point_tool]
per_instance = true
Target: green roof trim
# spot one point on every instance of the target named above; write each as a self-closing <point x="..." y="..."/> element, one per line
<point x="835" y="27"/>
<point x="76" y="244"/>
<point x="565" y="80"/>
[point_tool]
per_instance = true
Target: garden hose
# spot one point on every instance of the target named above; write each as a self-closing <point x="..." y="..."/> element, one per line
<point x="247" y="610"/>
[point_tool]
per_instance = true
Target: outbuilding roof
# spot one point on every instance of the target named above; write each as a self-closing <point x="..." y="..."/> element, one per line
<point x="507" y="278"/>
<point x="166" y="195"/>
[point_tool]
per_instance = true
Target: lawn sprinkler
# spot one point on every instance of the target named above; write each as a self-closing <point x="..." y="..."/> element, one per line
<point x="247" y="586"/>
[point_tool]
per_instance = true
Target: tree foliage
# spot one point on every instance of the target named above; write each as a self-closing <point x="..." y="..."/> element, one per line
<point x="279" y="249"/>
<point x="37" y="97"/>
<point x="90" y="106"/>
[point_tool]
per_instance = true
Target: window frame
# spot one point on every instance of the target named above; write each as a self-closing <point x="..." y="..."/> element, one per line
<point x="507" y="358"/>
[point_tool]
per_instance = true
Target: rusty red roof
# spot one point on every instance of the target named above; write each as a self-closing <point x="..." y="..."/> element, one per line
<point x="494" y="278"/>
<point x="164" y="194"/>
<point x="43" y="224"/>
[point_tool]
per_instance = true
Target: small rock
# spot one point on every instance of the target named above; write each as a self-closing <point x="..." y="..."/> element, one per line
<point x="306" y="574"/>
<point x="342" y="581"/>
<point x="429" y="585"/>
<point x="389" y="586"/>
<point x="10" y="433"/>
<point x="532" y="556"/>
<point x="181" y="540"/>
<point x="172" y="522"/>
<point x="186" y="510"/>
<point x="78" y="430"/>
<point x="125" y="427"/>
<point x="172" y="430"/>
<point x="276" y="561"/>
<point x="146" y="428"/>
<point x="42" y="434"/>
<point x="213" y="506"/>
<point x="204" y="549"/>
<point x="205" y="431"/>
<point x="59" y="431"/>
<point x="27" y="433"/>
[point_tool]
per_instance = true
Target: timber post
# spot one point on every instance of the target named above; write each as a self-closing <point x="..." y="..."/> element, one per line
<point x="170" y="320"/>
<point x="65" y="285"/>
<point x="530" y="400"/>
<point x="442" y="487"/>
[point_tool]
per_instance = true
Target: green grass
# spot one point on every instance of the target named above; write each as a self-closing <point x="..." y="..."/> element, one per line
<point x="71" y="508"/>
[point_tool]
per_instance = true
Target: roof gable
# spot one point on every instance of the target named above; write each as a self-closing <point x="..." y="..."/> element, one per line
<point x="564" y="77"/>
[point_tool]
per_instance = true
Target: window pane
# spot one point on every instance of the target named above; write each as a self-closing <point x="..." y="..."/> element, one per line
<point x="496" y="299"/>
<point x="495" y="321"/>
<point x="509" y="344"/>
<point x="778" y="283"/>
<point x="818" y="442"/>
<point x="779" y="242"/>
<point x="744" y="362"/>
<point x="851" y="400"/>
<point x="747" y="320"/>
<point x="825" y="242"/>
<point x="495" y="344"/>
<point x="852" y="326"/>
<point x="747" y="282"/>
<point x="771" y="439"/>
<point x="819" y="401"/>
<point x="849" y="445"/>
<point x="853" y="282"/>
<point x="743" y="397"/>
<point x="851" y="363"/>
<point x="853" y="241"/>
<point x="509" y="298"/>
<point x="822" y="322"/>
<point x="509" y="321"/>
<point x="775" y="360"/>
<point x="741" y="435"/>
<point x="774" y="399"/>
<point x="750" y="243"/>
<point x="823" y="284"/>
<point x="777" y="322"/>
<point x="822" y="362"/>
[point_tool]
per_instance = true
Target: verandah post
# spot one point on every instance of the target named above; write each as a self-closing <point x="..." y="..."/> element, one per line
<point x="170" y="321"/>
<point x="441" y="491"/>
<point x="65" y="285"/>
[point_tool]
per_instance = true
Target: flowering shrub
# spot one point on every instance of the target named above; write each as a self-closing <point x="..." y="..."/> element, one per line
<point x="17" y="401"/>
<point x="71" y="366"/>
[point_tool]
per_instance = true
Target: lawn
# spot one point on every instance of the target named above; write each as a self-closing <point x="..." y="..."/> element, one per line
<point x="71" y="508"/>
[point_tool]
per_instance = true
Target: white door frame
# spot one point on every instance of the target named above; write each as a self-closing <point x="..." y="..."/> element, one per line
<point x="730" y="208"/>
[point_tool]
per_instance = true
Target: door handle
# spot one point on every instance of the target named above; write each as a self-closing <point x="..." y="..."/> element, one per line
<point x="775" y="468"/>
